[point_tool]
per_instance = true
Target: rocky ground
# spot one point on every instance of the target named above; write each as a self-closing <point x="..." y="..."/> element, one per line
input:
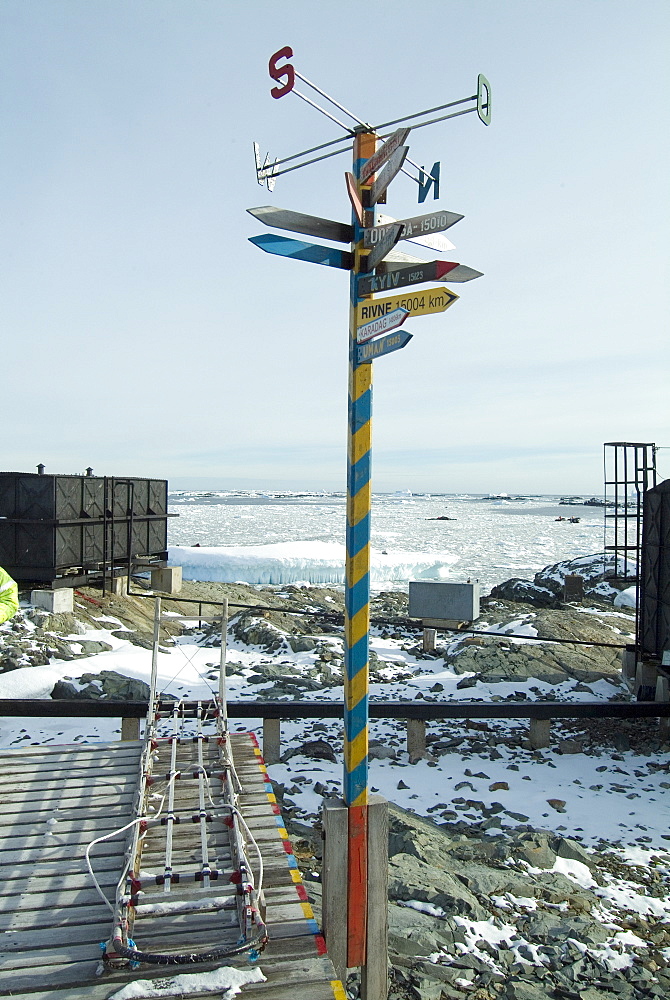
<point x="494" y="891"/>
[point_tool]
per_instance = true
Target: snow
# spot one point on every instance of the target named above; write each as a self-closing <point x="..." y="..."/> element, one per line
<point x="626" y="598"/>
<point x="576" y="870"/>
<point x="226" y="979"/>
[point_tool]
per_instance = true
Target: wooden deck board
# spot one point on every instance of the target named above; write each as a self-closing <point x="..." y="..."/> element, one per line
<point x="54" y="921"/>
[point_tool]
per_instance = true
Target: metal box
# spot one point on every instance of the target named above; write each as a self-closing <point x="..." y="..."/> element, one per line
<point x="444" y="601"/>
<point x="56" y="525"/>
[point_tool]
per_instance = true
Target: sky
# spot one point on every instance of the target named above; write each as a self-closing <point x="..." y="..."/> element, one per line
<point x="144" y="335"/>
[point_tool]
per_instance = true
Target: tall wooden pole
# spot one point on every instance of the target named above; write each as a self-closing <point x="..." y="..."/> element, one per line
<point x="357" y="600"/>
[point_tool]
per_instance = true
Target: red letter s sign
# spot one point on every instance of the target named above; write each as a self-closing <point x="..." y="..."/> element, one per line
<point x="279" y="72"/>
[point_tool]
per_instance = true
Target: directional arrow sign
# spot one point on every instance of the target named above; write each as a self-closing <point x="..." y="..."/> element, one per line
<point x="354" y="197"/>
<point x="383" y="246"/>
<point x="383" y="153"/>
<point x="392" y="167"/>
<point x="399" y="277"/>
<point x="420" y="229"/>
<point x="385" y="345"/>
<point x="284" y="247"/>
<point x="384" y="322"/>
<point x="296" y="222"/>
<point x="432" y="300"/>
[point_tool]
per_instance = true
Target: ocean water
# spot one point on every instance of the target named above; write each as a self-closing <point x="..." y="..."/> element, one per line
<point x="280" y="537"/>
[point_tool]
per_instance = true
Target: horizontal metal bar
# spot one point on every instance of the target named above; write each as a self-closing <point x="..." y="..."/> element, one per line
<point x="428" y="111"/>
<point x="101" y="519"/>
<point x="326" y="156"/>
<point x="404" y="622"/>
<point x="443" y="118"/>
<point x="46" y="708"/>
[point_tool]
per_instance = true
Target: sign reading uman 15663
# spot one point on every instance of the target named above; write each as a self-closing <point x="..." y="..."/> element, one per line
<point x="384" y="345"/>
<point x="432" y="300"/>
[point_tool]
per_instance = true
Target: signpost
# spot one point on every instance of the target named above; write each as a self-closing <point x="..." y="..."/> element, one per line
<point x="383" y="245"/>
<point x="374" y="265"/>
<point x="296" y="222"/>
<point x="354" y="197"/>
<point x="423" y="303"/>
<point x="389" y="321"/>
<point x="400" y="277"/>
<point x="312" y="252"/>
<point x="413" y="229"/>
<point x="384" y="345"/>
<point x="379" y="158"/>
<point x="382" y="181"/>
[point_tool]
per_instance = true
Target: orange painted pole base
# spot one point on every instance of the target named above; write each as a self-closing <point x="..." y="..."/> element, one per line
<point x="357" y="897"/>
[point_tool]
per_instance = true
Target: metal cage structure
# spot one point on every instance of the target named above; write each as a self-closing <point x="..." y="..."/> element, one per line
<point x="629" y="472"/>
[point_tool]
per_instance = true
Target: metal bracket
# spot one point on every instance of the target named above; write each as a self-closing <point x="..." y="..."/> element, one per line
<point x="265" y="173"/>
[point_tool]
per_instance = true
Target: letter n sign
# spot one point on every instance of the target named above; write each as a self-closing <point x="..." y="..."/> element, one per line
<point x="425" y="183"/>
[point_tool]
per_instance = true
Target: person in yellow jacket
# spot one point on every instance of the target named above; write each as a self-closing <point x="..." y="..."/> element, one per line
<point x="9" y="596"/>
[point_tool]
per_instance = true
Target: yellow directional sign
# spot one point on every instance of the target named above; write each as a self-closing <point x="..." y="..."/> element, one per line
<point x="429" y="300"/>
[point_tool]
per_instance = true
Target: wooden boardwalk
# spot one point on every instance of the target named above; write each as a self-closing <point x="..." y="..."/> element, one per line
<point x="54" y="801"/>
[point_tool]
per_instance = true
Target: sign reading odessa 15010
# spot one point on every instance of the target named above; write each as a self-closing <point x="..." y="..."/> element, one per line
<point x="432" y="300"/>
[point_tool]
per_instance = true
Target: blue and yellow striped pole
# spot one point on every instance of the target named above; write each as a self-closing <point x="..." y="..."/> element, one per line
<point x="357" y="603"/>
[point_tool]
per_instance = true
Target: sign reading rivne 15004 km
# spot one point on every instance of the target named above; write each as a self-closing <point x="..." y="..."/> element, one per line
<point x="432" y="300"/>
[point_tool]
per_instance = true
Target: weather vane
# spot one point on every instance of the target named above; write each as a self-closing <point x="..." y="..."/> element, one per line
<point x="268" y="171"/>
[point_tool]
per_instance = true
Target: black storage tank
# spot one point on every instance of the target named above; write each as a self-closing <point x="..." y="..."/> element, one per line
<point x="51" y="526"/>
<point x="654" y="612"/>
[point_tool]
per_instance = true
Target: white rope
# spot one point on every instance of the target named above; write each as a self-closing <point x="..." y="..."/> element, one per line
<point x="246" y="829"/>
<point x="122" y="829"/>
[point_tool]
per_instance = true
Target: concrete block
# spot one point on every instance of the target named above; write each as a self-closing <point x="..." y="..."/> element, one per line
<point x="540" y="733"/>
<point x="271" y="740"/>
<point x="429" y="639"/>
<point x="628" y="664"/>
<point x="645" y="681"/>
<point x="119" y="585"/>
<point x="453" y="601"/>
<point x="416" y="739"/>
<point x="167" y="580"/>
<point x="59" y="601"/>
<point x="130" y="729"/>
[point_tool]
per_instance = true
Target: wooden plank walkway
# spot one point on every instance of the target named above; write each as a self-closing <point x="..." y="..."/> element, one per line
<point x="54" y="801"/>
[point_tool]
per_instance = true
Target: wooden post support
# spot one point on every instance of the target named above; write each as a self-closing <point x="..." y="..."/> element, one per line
<point x="416" y="739"/>
<point x="374" y="974"/>
<point x="271" y="740"/>
<point x="540" y="733"/>
<point x="334" y="875"/>
<point x="130" y="729"/>
<point x="429" y="638"/>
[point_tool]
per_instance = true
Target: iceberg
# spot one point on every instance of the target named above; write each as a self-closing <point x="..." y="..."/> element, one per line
<point x="302" y="562"/>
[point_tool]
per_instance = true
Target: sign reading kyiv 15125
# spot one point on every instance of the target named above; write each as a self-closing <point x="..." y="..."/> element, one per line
<point x="433" y="300"/>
